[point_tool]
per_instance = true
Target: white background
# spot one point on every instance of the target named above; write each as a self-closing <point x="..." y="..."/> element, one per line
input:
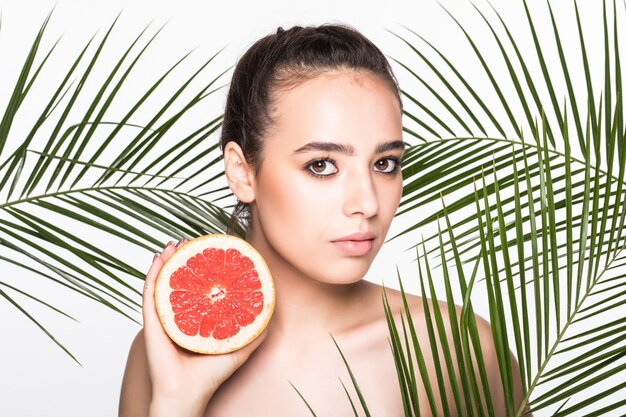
<point x="36" y="377"/>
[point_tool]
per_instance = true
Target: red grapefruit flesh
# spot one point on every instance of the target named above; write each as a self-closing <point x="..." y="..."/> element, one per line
<point x="215" y="294"/>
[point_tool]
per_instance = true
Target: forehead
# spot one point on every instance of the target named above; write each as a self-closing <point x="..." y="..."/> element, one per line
<point x="339" y="105"/>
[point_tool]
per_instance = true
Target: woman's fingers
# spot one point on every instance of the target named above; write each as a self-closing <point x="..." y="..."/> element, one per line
<point x="173" y="370"/>
<point x="150" y="317"/>
<point x="149" y="309"/>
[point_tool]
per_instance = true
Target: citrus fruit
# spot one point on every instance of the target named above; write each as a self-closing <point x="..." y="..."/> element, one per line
<point x="215" y="294"/>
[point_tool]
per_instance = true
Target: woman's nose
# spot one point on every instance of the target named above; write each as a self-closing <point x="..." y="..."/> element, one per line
<point x="360" y="196"/>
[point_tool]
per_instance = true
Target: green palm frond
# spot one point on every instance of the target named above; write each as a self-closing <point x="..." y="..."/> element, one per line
<point x="527" y="194"/>
<point x="546" y="237"/>
<point x="82" y="174"/>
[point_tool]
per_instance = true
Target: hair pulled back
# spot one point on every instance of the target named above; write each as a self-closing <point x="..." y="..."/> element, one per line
<point x="282" y="60"/>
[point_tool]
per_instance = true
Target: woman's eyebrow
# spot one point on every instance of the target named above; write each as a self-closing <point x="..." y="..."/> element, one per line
<point x="326" y="147"/>
<point x="389" y="146"/>
<point x="347" y="149"/>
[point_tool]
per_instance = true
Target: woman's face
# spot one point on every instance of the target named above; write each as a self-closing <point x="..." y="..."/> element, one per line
<point x="329" y="169"/>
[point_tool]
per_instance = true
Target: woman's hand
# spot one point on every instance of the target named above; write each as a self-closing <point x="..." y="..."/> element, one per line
<point x="182" y="381"/>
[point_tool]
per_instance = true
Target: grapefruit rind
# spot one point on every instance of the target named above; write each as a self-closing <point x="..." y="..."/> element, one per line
<point x="211" y="345"/>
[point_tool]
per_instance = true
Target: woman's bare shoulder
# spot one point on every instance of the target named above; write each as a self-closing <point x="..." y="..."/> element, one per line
<point x="418" y="306"/>
<point x="422" y="310"/>
<point x="136" y="389"/>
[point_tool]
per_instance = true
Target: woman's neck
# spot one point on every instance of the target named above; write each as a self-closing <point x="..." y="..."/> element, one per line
<point x="301" y="300"/>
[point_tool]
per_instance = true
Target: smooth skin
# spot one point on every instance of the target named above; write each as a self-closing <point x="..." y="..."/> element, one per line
<point x="320" y="292"/>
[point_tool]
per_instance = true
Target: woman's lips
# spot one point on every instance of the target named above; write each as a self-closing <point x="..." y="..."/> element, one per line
<point x="355" y="244"/>
<point x="354" y="247"/>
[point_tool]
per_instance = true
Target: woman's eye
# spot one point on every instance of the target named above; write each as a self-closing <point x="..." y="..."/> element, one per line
<point x="322" y="167"/>
<point x="387" y="165"/>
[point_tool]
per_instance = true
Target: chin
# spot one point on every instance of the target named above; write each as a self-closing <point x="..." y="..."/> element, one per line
<point x="349" y="271"/>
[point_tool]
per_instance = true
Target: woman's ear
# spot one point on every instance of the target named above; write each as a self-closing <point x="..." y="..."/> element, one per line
<point x="239" y="174"/>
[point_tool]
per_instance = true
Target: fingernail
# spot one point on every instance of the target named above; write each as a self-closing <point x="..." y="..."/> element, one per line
<point x="156" y="255"/>
<point x="170" y="243"/>
<point x="180" y="242"/>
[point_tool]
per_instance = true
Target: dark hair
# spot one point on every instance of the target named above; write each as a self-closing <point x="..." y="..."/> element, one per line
<point x="282" y="60"/>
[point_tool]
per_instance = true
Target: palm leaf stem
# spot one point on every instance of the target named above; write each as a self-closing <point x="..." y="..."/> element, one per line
<point x="37" y="198"/>
<point x="105" y="167"/>
<point x="592" y="381"/>
<point x="576" y="363"/>
<point x="559" y="338"/>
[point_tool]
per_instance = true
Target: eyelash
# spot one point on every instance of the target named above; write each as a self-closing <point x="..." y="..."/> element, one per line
<point x="313" y="162"/>
<point x="397" y="161"/>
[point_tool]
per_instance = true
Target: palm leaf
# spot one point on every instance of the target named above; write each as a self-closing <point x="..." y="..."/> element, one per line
<point x="79" y="176"/>
<point x="549" y="230"/>
<point x="542" y="228"/>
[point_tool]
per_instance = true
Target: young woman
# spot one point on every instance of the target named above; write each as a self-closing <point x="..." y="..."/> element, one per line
<point x="312" y="142"/>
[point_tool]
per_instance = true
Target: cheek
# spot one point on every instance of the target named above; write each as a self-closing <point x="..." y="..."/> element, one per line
<point x="291" y="202"/>
<point x="389" y="195"/>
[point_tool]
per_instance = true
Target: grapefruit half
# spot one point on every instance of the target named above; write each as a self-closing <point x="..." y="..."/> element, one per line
<point x="215" y="294"/>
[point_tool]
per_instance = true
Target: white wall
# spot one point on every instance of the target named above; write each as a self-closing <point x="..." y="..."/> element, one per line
<point x="37" y="378"/>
